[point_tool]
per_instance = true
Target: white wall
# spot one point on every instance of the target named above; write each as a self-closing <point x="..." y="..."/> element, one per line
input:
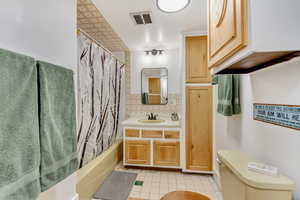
<point x="169" y="59"/>
<point x="272" y="144"/>
<point x="45" y="30"/>
<point x="42" y="29"/>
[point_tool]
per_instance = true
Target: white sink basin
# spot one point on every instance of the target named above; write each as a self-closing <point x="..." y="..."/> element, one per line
<point x="151" y="121"/>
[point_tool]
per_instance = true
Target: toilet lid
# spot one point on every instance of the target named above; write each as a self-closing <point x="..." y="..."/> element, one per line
<point x="237" y="162"/>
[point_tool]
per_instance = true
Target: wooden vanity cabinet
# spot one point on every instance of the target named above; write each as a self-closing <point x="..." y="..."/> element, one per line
<point x="166" y="153"/>
<point x="137" y="152"/>
<point x="152" y="146"/>
<point x="247" y="35"/>
<point x="199" y="128"/>
<point x="196" y="60"/>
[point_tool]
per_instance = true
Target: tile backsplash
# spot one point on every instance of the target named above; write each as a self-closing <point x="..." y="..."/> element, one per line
<point x="134" y="107"/>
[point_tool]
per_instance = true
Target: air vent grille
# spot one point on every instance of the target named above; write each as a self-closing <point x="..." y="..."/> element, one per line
<point x="147" y="18"/>
<point x="138" y="19"/>
<point x="141" y="18"/>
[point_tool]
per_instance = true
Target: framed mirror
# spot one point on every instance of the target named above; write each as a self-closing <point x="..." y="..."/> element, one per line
<point x="154" y="86"/>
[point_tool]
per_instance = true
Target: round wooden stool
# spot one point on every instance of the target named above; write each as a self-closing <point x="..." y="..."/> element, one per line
<point x="184" y="195"/>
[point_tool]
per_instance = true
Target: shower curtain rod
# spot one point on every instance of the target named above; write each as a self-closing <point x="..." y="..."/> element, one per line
<point x="98" y="43"/>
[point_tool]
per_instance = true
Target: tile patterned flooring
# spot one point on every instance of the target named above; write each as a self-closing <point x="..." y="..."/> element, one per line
<point x="158" y="183"/>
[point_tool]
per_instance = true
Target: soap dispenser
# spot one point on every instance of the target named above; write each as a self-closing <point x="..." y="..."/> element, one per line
<point x="174" y="116"/>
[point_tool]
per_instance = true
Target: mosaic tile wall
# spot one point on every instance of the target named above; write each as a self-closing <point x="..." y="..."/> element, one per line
<point x="90" y="20"/>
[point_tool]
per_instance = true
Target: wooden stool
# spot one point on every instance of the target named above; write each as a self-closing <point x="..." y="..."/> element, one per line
<point x="184" y="195"/>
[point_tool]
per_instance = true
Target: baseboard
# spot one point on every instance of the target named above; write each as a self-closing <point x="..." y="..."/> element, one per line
<point x="216" y="178"/>
<point x="197" y="172"/>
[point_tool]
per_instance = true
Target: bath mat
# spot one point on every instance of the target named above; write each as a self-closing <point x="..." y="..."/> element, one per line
<point x="116" y="186"/>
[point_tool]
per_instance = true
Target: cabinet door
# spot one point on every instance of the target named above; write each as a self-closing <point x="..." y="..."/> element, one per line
<point x="154" y="99"/>
<point x="199" y="128"/>
<point x="227" y="24"/>
<point x="166" y="153"/>
<point x="137" y="152"/>
<point x="154" y="85"/>
<point x="196" y="60"/>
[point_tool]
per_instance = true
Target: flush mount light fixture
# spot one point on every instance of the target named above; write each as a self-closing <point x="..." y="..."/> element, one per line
<point x="154" y="52"/>
<point x="171" y="6"/>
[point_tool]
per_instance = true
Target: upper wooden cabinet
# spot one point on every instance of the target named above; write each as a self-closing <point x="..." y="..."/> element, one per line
<point x="227" y="29"/>
<point x="196" y="60"/>
<point x="242" y="40"/>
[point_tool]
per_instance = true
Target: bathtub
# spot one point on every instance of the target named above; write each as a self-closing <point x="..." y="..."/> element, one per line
<point x="93" y="174"/>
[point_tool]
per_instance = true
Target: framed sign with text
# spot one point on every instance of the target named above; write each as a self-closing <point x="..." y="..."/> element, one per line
<point x="281" y="115"/>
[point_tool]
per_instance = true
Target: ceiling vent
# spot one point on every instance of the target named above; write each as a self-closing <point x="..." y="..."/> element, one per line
<point x="140" y="18"/>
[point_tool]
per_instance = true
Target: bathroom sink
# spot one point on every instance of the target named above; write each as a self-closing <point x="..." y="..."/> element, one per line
<point x="151" y="121"/>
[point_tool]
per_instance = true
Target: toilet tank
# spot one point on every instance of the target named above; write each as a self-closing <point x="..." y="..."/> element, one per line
<point x="238" y="183"/>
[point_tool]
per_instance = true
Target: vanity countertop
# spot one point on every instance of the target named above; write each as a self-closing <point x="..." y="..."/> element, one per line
<point x="136" y="123"/>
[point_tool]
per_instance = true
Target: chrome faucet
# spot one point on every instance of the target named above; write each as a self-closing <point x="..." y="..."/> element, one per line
<point x="152" y="116"/>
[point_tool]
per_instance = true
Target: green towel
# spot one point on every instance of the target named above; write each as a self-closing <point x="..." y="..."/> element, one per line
<point x="57" y="124"/>
<point x="228" y="94"/>
<point x="19" y="128"/>
<point x="145" y="98"/>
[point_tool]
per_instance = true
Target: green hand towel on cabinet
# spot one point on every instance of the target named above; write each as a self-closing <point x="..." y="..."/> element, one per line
<point x="145" y="98"/>
<point x="228" y="94"/>
<point x="19" y="129"/>
<point x="57" y="124"/>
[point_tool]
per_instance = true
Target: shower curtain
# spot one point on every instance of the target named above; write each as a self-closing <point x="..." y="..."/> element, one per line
<point x="100" y="82"/>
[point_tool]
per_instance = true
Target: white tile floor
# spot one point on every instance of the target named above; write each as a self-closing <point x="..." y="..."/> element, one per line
<point x="158" y="183"/>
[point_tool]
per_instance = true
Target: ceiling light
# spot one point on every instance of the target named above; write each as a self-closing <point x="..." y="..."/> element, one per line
<point x="154" y="52"/>
<point x="171" y="6"/>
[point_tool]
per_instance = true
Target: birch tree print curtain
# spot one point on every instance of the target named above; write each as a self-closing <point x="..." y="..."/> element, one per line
<point x="100" y="78"/>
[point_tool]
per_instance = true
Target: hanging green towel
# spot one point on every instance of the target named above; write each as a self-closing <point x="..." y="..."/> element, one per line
<point x="145" y="98"/>
<point x="228" y="94"/>
<point x="57" y="124"/>
<point x="19" y="130"/>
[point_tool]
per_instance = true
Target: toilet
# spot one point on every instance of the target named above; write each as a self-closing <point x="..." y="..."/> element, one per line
<point x="238" y="183"/>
